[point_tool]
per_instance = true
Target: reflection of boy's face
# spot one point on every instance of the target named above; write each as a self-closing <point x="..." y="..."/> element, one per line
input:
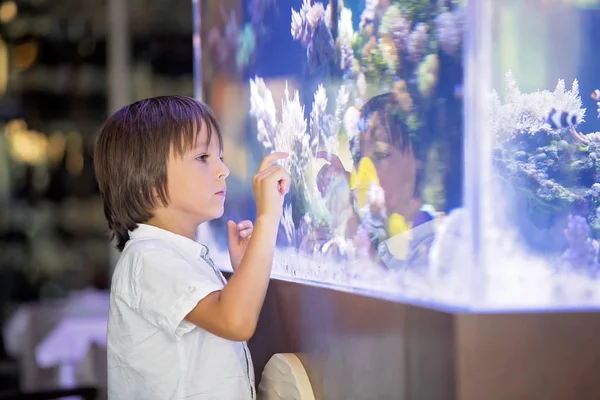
<point x="396" y="169"/>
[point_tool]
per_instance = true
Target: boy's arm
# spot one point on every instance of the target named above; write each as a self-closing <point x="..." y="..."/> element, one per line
<point x="233" y="312"/>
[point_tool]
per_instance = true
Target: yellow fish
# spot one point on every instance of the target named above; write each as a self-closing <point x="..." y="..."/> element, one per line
<point x="400" y="235"/>
<point x="398" y="228"/>
<point x="361" y="181"/>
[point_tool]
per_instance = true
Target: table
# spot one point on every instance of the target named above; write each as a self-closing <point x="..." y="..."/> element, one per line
<point x="60" y="343"/>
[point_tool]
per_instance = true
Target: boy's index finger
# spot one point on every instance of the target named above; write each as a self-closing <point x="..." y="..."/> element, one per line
<point x="270" y="159"/>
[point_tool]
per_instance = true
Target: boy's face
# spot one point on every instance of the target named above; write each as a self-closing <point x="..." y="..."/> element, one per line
<point x="196" y="182"/>
<point x="396" y="170"/>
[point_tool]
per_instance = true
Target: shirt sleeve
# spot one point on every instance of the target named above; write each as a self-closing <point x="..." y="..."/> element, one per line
<point x="167" y="287"/>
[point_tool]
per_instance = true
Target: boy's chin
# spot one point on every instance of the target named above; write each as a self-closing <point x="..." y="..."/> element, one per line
<point x="215" y="215"/>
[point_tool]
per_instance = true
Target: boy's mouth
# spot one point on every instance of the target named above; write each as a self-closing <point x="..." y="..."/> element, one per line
<point x="221" y="193"/>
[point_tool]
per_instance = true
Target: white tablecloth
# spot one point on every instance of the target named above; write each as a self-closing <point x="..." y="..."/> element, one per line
<point x="60" y="343"/>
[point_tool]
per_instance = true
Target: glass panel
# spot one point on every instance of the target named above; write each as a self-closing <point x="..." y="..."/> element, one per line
<point x="540" y="200"/>
<point x="367" y="96"/>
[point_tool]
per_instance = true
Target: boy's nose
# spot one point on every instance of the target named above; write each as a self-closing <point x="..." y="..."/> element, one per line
<point x="223" y="171"/>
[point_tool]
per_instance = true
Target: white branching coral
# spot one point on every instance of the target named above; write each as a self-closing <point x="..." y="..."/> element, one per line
<point x="325" y="127"/>
<point x="292" y="134"/>
<point x="526" y="113"/>
<point x="288" y="135"/>
<point x="318" y="118"/>
<point x="341" y="103"/>
<point x="306" y="20"/>
<point x="262" y="107"/>
<point x="350" y="121"/>
<point x="345" y="27"/>
<point x="287" y="223"/>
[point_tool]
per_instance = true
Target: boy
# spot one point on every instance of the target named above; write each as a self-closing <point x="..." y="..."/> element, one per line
<point x="176" y="329"/>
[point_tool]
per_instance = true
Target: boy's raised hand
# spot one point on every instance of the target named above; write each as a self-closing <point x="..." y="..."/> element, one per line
<point x="271" y="183"/>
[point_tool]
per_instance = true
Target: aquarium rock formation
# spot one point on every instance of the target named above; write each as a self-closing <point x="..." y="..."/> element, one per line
<point x="582" y="253"/>
<point x="555" y="169"/>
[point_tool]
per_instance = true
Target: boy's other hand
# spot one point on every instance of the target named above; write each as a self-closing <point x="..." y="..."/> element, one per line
<point x="239" y="237"/>
<point x="333" y="159"/>
<point x="271" y="183"/>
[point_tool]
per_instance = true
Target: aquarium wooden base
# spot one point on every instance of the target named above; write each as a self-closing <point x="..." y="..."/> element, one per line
<point x="355" y="347"/>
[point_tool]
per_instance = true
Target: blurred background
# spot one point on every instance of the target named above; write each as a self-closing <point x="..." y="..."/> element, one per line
<point x="64" y="67"/>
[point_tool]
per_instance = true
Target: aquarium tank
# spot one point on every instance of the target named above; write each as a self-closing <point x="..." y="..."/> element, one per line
<point x="443" y="152"/>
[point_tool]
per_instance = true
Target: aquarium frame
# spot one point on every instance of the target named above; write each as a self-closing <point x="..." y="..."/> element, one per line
<point x="477" y="140"/>
<point x="197" y="44"/>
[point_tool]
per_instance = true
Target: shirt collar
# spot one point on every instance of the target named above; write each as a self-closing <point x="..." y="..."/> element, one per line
<point x="189" y="246"/>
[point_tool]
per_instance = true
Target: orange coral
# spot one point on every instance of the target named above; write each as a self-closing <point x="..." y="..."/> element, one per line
<point x="402" y="96"/>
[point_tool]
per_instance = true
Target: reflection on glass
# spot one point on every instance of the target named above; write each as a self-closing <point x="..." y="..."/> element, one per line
<point x="367" y="97"/>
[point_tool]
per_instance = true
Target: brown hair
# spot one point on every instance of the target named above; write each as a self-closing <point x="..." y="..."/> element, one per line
<point x="392" y="116"/>
<point x="132" y="149"/>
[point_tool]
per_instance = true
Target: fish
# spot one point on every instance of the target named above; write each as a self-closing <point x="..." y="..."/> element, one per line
<point x="561" y="119"/>
<point x="596" y="96"/>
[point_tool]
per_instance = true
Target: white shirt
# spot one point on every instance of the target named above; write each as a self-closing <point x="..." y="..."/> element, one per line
<point x="153" y="352"/>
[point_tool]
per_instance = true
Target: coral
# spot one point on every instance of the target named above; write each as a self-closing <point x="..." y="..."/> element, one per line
<point x="388" y="51"/>
<point x="262" y="108"/>
<point x="373" y="215"/>
<point x="582" y="254"/>
<point x="345" y="39"/>
<point x="361" y="87"/>
<point x="403" y="96"/>
<point x="348" y="64"/>
<point x="449" y="26"/>
<point x="345" y="27"/>
<point x="371" y="13"/>
<point x="350" y="122"/>
<point x="395" y="25"/>
<point x="369" y="47"/>
<point x="323" y="127"/>
<point x="290" y="135"/>
<point x="525" y="113"/>
<point x="427" y="74"/>
<point x="311" y="27"/>
<point x="321" y="50"/>
<point x="419" y="10"/>
<point x="555" y="170"/>
<point x="293" y="236"/>
<point x="416" y="43"/>
<point x="341" y="104"/>
<point x="337" y="199"/>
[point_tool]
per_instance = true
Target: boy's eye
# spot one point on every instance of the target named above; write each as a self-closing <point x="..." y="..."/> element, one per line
<point x="380" y="155"/>
<point x="204" y="158"/>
